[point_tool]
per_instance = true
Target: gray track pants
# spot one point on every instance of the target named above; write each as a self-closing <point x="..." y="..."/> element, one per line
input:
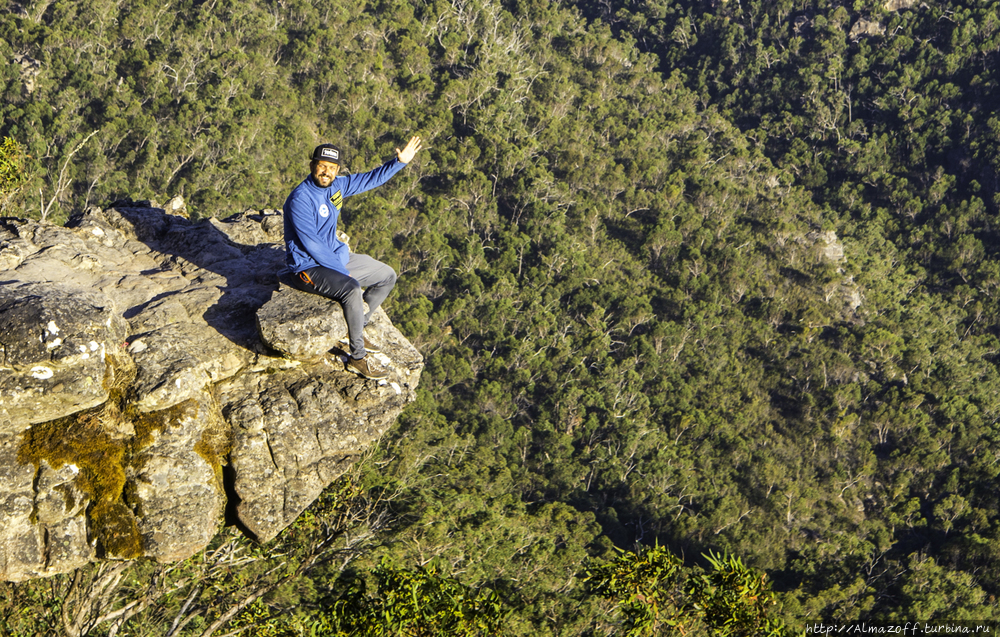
<point x="376" y="277"/>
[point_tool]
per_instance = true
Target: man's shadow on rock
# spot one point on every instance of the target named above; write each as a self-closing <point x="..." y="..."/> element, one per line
<point x="246" y="250"/>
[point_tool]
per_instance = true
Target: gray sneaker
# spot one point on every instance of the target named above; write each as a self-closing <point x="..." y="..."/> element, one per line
<point x="369" y="346"/>
<point x="363" y="367"/>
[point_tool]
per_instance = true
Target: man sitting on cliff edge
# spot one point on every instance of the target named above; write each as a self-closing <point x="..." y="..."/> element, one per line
<point x="323" y="264"/>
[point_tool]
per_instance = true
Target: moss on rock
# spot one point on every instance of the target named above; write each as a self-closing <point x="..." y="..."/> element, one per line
<point x="97" y="443"/>
<point x="214" y="445"/>
<point x="82" y="441"/>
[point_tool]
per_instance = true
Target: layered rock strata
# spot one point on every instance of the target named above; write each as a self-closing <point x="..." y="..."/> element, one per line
<point x="154" y="372"/>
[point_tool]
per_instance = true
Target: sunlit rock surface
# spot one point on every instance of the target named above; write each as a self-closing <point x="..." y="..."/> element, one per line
<point x="139" y="401"/>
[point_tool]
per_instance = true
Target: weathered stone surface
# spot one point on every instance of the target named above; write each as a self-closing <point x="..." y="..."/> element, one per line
<point x="830" y="248"/>
<point x="865" y="27"/>
<point x="843" y="293"/>
<point x="307" y="326"/>
<point x="53" y="343"/>
<point x="137" y="395"/>
<point x="851" y="294"/>
<point x="178" y="486"/>
<point x="30" y="68"/>
<point x="13" y="247"/>
<point x="42" y="529"/>
<point x="298" y="324"/>
<point x="172" y="371"/>
<point x="292" y="432"/>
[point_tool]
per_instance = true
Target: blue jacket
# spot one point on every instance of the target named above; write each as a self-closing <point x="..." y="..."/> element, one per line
<point x="311" y="213"/>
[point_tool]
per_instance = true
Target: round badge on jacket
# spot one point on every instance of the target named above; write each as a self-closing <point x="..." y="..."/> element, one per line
<point x="324" y="211"/>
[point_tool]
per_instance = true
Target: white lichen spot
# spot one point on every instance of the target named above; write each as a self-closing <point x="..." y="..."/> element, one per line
<point x="136" y="346"/>
<point x="53" y="344"/>
<point x="382" y="383"/>
<point x="97" y="232"/>
<point x="52" y="328"/>
<point x="41" y="373"/>
<point x="395" y="388"/>
<point x="85" y="356"/>
<point x="94" y="346"/>
<point x="73" y="469"/>
<point x="83" y="349"/>
<point x="178" y="383"/>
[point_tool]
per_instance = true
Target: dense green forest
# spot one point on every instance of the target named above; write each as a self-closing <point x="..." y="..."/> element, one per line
<point x="621" y="258"/>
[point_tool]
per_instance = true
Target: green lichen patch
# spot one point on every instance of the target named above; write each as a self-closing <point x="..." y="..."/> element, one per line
<point x="80" y="440"/>
<point x="214" y="446"/>
<point x="118" y="532"/>
<point x="93" y="441"/>
<point x="69" y="495"/>
<point x="116" y="415"/>
<point x="147" y="425"/>
<point x="120" y="373"/>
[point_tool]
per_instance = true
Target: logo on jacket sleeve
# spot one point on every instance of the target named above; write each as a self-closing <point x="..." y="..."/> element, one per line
<point x="324" y="211"/>
<point x="337" y="200"/>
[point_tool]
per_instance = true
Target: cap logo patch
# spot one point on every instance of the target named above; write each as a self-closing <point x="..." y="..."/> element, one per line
<point x="330" y="153"/>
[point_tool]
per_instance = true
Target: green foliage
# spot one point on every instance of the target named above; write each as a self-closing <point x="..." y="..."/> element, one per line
<point x="646" y="586"/>
<point x="656" y="595"/>
<point x="736" y="601"/>
<point x="13" y="170"/>
<point x="417" y="603"/>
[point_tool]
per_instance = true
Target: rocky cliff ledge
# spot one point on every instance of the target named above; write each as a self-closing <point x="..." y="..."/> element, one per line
<point x="157" y="380"/>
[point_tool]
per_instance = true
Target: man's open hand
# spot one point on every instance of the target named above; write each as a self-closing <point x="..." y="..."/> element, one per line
<point x="411" y="149"/>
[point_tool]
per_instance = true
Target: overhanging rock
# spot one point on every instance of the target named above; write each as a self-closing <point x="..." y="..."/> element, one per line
<point x="138" y="397"/>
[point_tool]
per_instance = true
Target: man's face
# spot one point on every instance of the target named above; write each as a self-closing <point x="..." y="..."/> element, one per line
<point x="324" y="172"/>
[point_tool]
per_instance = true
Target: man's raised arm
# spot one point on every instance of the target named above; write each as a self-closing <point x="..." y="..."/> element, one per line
<point x="361" y="182"/>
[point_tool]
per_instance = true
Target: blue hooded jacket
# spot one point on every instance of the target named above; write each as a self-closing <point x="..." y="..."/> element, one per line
<point x="311" y="213"/>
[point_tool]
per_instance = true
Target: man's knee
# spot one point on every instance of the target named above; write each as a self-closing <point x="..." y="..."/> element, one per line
<point x="352" y="292"/>
<point x="332" y="284"/>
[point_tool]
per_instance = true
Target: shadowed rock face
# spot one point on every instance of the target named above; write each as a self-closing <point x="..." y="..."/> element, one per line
<point x="140" y="353"/>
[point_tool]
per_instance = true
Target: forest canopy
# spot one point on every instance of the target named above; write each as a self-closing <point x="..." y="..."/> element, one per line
<point x="717" y="276"/>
